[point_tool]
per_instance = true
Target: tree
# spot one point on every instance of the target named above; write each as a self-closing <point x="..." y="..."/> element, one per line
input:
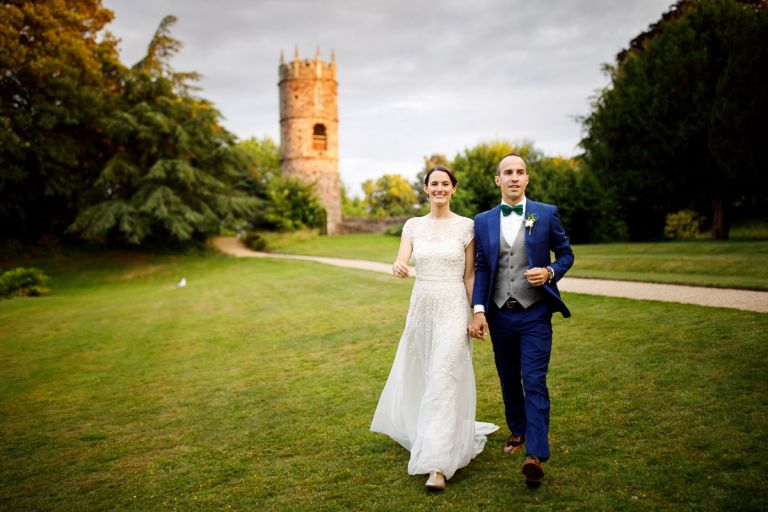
<point x="680" y="125"/>
<point x="60" y="76"/>
<point x="585" y="209"/>
<point x="262" y="158"/>
<point x="587" y="212"/>
<point x="352" y="206"/>
<point x="174" y="171"/>
<point x="390" y="195"/>
<point x="475" y="168"/>
<point x="291" y="205"/>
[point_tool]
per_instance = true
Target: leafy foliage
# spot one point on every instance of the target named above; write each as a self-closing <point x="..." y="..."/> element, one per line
<point x="174" y="169"/>
<point x="586" y="210"/>
<point x="262" y="165"/>
<point x="282" y="204"/>
<point x="683" y="224"/>
<point x="23" y="282"/>
<point x="681" y="125"/>
<point x="292" y="205"/>
<point x="390" y="196"/>
<point x="60" y="75"/>
<point x="352" y="206"/>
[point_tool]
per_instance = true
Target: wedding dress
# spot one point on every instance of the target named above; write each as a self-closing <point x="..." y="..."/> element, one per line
<point x="428" y="403"/>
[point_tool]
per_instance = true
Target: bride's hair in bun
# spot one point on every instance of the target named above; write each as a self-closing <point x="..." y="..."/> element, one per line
<point x="444" y="169"/>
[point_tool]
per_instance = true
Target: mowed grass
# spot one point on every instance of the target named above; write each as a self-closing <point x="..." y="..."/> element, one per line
<point x="253" y="388"/>
<point x="725" y="264"/>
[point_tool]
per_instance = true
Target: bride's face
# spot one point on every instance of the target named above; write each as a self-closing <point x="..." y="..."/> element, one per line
<point x="439" y="188"/>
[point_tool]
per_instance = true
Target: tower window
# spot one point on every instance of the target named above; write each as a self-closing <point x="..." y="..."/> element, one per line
<point x="319" y="138"/>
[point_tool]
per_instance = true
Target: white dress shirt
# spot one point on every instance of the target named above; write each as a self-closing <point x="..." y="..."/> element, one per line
<point x="510" y="225"/>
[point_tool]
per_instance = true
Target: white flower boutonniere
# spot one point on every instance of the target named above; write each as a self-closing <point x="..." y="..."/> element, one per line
<point x="529" y="222"/>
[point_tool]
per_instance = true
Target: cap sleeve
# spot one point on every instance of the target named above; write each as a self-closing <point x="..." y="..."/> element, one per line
<point x="469" y="232"/>
<point x="408" y="229"/>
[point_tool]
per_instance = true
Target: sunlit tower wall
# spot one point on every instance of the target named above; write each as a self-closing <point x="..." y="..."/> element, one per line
<point x="309" y="129"/>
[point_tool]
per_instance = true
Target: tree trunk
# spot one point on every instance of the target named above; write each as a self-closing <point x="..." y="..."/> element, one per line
<point x="721" y="218"/>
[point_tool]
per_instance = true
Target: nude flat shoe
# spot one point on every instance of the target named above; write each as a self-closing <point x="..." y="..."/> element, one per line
<point x="436" y="481"/>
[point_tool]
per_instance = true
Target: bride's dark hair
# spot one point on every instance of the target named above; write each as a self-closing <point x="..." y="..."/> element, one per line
<point x="444" y="169"/>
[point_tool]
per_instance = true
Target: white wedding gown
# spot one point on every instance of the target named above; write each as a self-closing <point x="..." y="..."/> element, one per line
<point x="428" y="403"/>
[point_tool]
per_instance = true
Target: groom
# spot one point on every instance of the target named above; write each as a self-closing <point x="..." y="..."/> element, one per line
<point x="514" y="296"/>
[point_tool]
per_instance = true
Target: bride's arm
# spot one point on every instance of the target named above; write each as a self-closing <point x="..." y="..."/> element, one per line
<point x="469" y="268"/>
<point x="400" y="266"/>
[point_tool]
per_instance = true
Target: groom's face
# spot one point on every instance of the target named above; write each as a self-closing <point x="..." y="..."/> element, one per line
<point x="512" y="178"/>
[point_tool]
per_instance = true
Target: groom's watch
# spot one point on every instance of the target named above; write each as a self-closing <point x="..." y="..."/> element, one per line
<point x="551" y="274"/>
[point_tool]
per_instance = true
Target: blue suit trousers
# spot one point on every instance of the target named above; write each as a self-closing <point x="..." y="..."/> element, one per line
<point x="522" y="346"/>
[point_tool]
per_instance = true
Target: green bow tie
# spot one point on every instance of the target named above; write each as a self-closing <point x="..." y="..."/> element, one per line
<point x="506" y="209"/>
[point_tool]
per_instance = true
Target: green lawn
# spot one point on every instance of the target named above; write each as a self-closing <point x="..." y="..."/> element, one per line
<point x="729" y="264"/>
<point x="253" y="389"/>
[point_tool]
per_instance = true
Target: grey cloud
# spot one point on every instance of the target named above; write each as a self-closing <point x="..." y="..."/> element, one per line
<point x="415" y="76"/>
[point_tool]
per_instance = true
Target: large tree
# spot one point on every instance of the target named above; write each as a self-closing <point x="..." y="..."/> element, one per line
<point x="681" y="124"/>
<point x="587" y="212"/>
<point x="175" y="168"/>
<point x="60" y="75"/>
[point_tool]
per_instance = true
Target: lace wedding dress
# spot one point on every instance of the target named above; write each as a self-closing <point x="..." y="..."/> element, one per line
<point x="428" y="403"/>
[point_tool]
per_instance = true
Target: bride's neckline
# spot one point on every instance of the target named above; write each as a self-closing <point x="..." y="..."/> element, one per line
<point x="434" y="219"/>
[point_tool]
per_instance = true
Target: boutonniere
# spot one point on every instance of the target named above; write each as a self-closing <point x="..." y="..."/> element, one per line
<point x="529" y="222"/>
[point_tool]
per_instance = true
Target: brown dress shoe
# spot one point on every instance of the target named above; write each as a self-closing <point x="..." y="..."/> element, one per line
<point x="514" y="443"/>
<point x="436" y="481"/>
<point x="533" y="471"/>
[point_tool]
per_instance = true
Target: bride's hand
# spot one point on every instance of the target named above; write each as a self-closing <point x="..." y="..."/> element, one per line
<point x="400" y="269"/>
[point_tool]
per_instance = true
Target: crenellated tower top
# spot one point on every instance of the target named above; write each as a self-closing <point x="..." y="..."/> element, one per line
<point x="307" y="68"/>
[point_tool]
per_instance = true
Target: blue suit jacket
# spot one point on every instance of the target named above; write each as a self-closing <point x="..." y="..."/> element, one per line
<point x="546" y="235"/>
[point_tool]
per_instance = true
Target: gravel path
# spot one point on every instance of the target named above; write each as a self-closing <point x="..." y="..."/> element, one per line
<point x="715" y="297"/>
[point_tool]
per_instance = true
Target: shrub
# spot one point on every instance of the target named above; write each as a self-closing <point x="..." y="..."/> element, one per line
<point x="683" y="224"/>
<point x="254" y="241"/>
<point x="23" y="282"/>
<point x="292" y="206"/>
<point x="395" y="230"/>
<point x="754" y="229"/>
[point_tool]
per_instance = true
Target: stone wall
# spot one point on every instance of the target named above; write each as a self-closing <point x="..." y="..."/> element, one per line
<point x="352" y="225"/>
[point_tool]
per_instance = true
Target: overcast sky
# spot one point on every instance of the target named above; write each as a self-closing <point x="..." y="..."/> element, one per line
<point x="415" y="77"/>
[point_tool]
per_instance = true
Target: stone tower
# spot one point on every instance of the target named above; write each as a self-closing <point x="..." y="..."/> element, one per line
<point x="309" y="129"/>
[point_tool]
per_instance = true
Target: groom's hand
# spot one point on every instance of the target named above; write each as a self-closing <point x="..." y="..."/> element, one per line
<point x="537" y="276"/>
<point x="478" y="327"/>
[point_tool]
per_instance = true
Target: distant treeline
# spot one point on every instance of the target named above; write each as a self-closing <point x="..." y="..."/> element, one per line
<point x="91" y="149"/>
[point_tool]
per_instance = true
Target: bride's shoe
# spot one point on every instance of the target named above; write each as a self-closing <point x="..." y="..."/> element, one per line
<point x="436" y="481"/>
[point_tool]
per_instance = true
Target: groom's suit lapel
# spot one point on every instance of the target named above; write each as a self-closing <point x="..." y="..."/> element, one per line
<point x="494" y="234"/>
<point x="531" y="208"/>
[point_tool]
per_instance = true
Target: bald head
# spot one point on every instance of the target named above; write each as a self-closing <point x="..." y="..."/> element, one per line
<point x="512" y="178"/>
<point x="511" y="160"/>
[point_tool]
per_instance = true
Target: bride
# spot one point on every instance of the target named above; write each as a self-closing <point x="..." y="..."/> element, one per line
<point x="428" y="402"/>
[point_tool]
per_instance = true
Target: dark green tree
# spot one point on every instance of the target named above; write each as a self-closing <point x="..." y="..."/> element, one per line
<point x="173" y="175"/>
<point x="680" y="125"/>
<point x="60" y="75"/>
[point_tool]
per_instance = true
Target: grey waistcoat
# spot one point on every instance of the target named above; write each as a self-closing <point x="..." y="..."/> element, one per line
<point x="510" y="281"/>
